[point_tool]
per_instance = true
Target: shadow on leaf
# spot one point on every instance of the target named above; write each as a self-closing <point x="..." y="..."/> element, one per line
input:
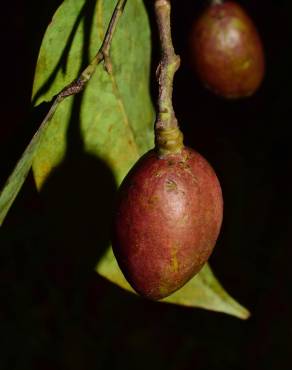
<point x="84" y="15"/>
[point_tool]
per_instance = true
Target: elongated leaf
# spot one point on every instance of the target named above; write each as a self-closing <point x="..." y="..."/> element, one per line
<point x="19" y="174"/>
<point x="202" y="291"/>
<point x="116" y="117"/>
<point x="115" y="111"/>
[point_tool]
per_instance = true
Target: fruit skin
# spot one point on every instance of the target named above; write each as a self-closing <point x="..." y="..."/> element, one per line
<point x="226" y="51"/>
<point x="168" y="217"/>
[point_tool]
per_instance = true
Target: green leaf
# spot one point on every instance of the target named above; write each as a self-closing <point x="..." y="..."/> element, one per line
<point x="202" y="291"/>
<point x="19" y="174"/>
<point x="116" y="115"/>
<point x="115" y="111"/>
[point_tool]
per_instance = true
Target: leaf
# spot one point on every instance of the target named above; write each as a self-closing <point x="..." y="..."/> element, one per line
<point x="116" y="114"/>
<point x="116" y="117"/>
<point x="19" y="174"/>
<point x="202" y="291"/>
<point x="205" y="291"/>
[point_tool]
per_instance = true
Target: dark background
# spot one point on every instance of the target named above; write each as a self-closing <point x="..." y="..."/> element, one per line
<point x="56" y="313"/>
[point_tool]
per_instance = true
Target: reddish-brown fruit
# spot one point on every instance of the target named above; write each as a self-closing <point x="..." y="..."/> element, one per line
<point x="167" y="221"/>
<point x="226" y="51"/>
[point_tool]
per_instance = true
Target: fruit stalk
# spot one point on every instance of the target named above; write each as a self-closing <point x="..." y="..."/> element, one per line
<point x="168" y="137"/>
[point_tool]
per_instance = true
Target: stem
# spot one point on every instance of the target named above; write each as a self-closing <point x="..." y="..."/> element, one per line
<point x="168" y="137"/>
<point x="102" y="55"/>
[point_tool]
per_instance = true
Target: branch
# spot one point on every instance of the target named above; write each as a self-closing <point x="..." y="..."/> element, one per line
<point x="168" y="137"/>
<point x="102" y="56"/>
<point x="19" y="174"/>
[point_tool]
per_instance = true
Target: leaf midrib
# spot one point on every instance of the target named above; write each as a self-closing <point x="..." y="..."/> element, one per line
<point x="120" y="103"/>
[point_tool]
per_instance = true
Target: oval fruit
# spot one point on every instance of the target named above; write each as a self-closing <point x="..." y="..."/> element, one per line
<point x="226" y="51"/>
<point x="167" y="221"/>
